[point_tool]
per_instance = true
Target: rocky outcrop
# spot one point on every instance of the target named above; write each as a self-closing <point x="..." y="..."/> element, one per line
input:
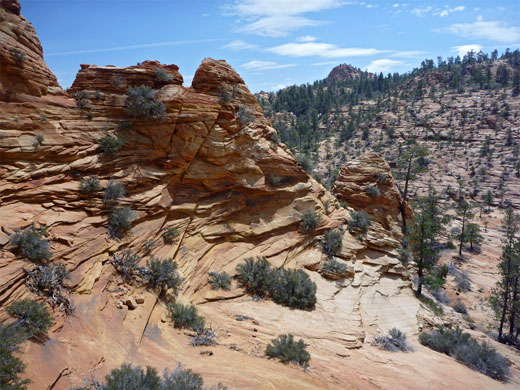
<point x="366" y="183"/>
<point x="22" y="69"/>
<point x="344" y="72"/>
<point x="212" y="170"/>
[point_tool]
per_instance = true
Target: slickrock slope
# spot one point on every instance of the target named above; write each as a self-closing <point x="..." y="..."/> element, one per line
<point x="231" y="192"/>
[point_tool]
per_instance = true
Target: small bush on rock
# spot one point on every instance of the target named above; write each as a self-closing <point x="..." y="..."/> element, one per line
<point x="373" y="191"/>
<point x="334" y="267"/>
<point x="204" y="337"/>
<point x="162" y="75"/>
<point x="332" y="242"/>
<point x="288" y="350"/>
<point x="310" y="221"/>
<point x="255" y="276"/>
<point x="185" y="316"/>
<point x="245" y="115"/>
<point x="292" y="288"/>
<point x="113" y="192"/>
<point x="468" y="351"/>
<point x="141" y="103"/>
<point x="395" y="341"/>
<point x="10" y="365"/>
<point x="459" y="307"/>
<point x="18" y="56"/>
<point x="33" y="316"/>
<point x="47" y="281"/>
<point x="170" y="234"/>
<point x="110" y="145"/>
<point x="31" y="244"/>
<point x="120" y="221"/>
<point x="219" y="280"/>
<point x="127" y="264"/>
<point x="360" y="221"/>
<point x="162" y="274"/>
<point x="89" y="184"/>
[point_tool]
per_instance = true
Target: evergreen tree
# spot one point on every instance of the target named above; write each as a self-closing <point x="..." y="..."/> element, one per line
<point x="516" y="83"/>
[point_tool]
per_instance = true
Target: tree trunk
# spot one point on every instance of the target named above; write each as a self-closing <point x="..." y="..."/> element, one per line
<point x="420" y="283"/>
<point x="513" y="308"/>
<point x="462" y="233"/>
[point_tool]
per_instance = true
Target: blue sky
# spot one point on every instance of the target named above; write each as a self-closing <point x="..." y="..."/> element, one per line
<point x="271" y="43"/>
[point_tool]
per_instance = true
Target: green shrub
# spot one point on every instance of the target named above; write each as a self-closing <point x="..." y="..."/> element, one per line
<point x="141" y="103"/>
<point x="170" y="234"/>
<point x="459" y="307"/>
<point x="38" y="140"/>
<point x="162" y="274"/>
<point x="219" y="280"/>
<point x="432" y="305"/>
<point x="382" y="177"/>
<point x="82" y="99"/>
<point x="132" y="378"/>
<point x="89" y="184"/>
<point x="185" y="316"/>
<point x="18" y="56"/>
<point x="110" y="145"/>
<point x="360" y="221"/>
<point x="204" y="337"/>
<point x="33" y="316"/>
<point x="148" y="246"/>
<point x="288" y="351"/>
<point x="127" y="264"/>
<point x="47" y="281"/>
<point x="332" y="242"/>
<point x="255" y="276"/>
<point x="292" y="288"/>
<point x="310" y="221"/>
<point x="305" y="162"/>
<point x="468" y="351"/>
<point x="245" y="115"/>
<point x="162" y="75"/>
<point x="334" y="267"/>
<point x="373" y="191"/>
<point x="10" y="365"/>
<point x="120" y="221"/>
<point x="184" y="379"/>
<point x="31" y="244"/>
<point x="395" y="341"/>
<point x="113" y="192"/>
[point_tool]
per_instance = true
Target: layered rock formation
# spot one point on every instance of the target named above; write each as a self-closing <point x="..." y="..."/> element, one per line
<point x="211" y="170"/>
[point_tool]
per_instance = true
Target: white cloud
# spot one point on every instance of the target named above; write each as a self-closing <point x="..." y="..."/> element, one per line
<point x="383" y="65"/>
<point x="492" y="30"/>
<point x="463" y="49"/>
<point x="409" y="54"/>
<point x="325" y="50"/>
<point x="265" y="65"/>
<point x="276" y="18"/>
<point x="422" y="11"/>
<point x="395" y="5"/>
<point x="325" y="63"/>
<point x="448" y="11"/>
<point x="306" y="38"/>
<point x="278" y="87"/>
<point x="239" y="45"/>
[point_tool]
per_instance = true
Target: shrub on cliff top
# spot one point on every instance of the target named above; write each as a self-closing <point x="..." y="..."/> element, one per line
<point x="141" y="103"/>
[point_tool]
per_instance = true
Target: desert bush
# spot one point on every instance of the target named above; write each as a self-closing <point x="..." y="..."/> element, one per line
<point x="441" y="296"/>
<point x="334" y="267"/>
<point x="465" y="349"/>
<point x="141" y="103"/>
<point x="373" y="191"/>
<point x="305" y="162"/>
<point x="310" y="221"/>
<point x="170" y="234"/>
<point x="204" y="337"/>
<point x="10" y="365"/>
<point x="120" y="221"/>
<point x="148" y="246"/>
<point x="47" y="281"/>
<point x="132" y="378"/>
<point x="89" y="184"/>
<point x="331" y="242"/>
<point x="245" y="115"/>
<point x="185" y="316"/>
<point x="113" y="192"/>
<point x="219" y="280"/>
<point x="292" y="288"/>
<point x="382" y="177"/>
<point x="124" y="126"/>
<point x="127" y="264"/>
<point x="459" y="307"/>
<point x="432" y="305"/>
<point x="38" y="140"/>
<point x="461" y="278"/>
<point x="110" y="145"/>
<point x="288" y="350"/>
<point x="18" y="56"/>
<point x="32" y="316"/>
<point x="31" y="244"/>
<point x="394" y="341"/>
<point x="163" y="275"/>
<point x="81" y="98"/>
<point x="224" y="94"/>
<point x="255" y="276"/>
<point x="360" y="221"/>
<point x="162" y="75"/>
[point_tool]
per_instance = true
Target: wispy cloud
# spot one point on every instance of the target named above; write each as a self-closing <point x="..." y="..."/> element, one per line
<point x="325" y="63"/>
<point x="447" y="11"/>
<point x="481" y="29"/>
<point x="276" y="18"/>
<point x="383" y="65"/>
<point x="409" y="54"/>
<point x="132" y="47"/>
<point x="463" y="49"/>
<point x="306" y="38"/>
<point x="422" y="11"/>
<point x="237" y="45"/>
<point x="265" y="65"/>
<point x="325" y="50"/>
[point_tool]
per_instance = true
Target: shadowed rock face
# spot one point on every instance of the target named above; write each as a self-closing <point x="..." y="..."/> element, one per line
<point x="212" y="171"/>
